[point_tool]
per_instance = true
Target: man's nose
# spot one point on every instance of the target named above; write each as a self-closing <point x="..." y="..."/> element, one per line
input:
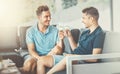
<point x="49" y="18"/>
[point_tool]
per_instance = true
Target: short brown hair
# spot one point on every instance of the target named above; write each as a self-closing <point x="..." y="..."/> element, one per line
<point x="91" y="11"/>
<point x="42" y="8"/>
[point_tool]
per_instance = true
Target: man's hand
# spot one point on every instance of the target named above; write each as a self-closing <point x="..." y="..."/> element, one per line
<point x="67" y="33"/>
<point x="55" y="50"/>
<point x="61" y="35"/>
<point x="51" y="52"/>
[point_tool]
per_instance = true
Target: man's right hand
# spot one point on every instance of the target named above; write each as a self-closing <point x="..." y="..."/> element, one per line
<point x="51" y="53"/>
<point x="67" y="33"/>
<point x="61" y="34"/>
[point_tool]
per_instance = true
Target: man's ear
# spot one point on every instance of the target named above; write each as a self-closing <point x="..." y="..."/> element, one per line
<point x="92" y="19"/>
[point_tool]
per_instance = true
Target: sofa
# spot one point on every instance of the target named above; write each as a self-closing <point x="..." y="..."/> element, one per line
<point x="110" y="58"/>
<point x="111" y="45"/>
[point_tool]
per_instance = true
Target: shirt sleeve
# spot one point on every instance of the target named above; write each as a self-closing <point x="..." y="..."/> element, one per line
<point x="29" y="36"/>
<point x="57" y="37"/>
<point x="99" y="40"/>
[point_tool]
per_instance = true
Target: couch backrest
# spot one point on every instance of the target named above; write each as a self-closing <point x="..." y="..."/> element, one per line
<point x="22" y="36"/>
<point x="111" y="42"/>
<point x="111" y="45"/>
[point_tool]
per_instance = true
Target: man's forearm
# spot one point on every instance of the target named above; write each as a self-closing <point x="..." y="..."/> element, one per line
<point x="59" y="46"/>
<point x="73" y="44"/>
<point x="55" y="50"/>
<point x="34" y="54"/>
<point x="58" y="49"/>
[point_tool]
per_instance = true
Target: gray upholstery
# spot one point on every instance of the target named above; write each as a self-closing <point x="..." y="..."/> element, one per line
<point x="22" y="36"/>
<point x="22" y="51"/>
<point x="111" y="43"/>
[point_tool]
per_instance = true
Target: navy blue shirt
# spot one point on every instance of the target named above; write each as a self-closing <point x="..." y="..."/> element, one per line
<point x="88" y="41"/>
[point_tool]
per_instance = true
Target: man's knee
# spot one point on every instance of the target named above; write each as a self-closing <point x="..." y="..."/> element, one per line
<point x="28" y="64"/>
<point x="29" y="61"/>
<point x="41" y="61"/>
<point x="45" y="61"/>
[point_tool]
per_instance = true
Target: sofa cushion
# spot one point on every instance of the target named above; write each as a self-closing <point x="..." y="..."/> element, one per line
<point x="111" y="42"/>
<point x="111" y="45"/>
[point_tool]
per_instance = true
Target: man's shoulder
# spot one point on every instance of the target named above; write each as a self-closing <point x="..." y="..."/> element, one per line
<point x="31" y="29"/>
<point x="100" y="31"/>
<point x="53" y="28"/>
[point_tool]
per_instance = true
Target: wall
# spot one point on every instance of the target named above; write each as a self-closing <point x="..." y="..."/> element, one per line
<point x="116" y="15"/>
<point x="72" y="15"/>
<point x="8" y="37"/>
<point x="14" y="13"/>
<point x="11" y="14"/>
<point x="17" y="12"/>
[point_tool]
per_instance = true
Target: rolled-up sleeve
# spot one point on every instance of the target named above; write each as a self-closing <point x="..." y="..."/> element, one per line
<point x="99" y="40"/>
<point x="29" y="36"/>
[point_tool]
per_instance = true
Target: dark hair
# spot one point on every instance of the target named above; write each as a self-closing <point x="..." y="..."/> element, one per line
<point x="42" y="8"/>
<point x="91" y="11"/>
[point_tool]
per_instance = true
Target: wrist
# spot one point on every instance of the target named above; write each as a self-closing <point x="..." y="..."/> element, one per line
<point x="37" y="57"/>
<point x="70" y="36"/>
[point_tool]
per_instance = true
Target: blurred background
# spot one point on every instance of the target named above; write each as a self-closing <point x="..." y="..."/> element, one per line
<point x="64" y="12"/>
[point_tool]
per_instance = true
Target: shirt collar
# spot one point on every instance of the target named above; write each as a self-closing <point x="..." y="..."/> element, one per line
<point x="95" y="31"/>
<point x="48" y="30"/>
<point x="37" y="30"/>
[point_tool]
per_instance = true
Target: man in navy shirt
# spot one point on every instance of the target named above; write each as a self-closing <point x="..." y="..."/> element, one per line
<point x="90" y="42"/>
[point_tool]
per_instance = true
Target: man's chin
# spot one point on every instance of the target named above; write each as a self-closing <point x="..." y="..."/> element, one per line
<point x="47" y="25"/>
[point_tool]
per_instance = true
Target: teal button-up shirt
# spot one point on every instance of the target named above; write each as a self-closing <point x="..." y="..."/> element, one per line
<point x="43" y="42"/>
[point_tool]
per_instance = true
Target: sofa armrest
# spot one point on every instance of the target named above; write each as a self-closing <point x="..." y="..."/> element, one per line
<point x="85" y="57"/>
<point x="22" y="52"/>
